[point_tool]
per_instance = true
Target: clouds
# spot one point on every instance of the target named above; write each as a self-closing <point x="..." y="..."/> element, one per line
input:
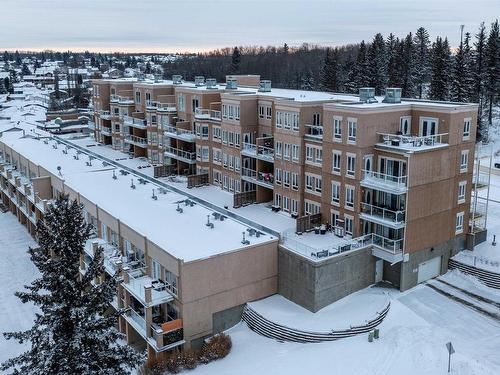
<point x="180" y="25"/>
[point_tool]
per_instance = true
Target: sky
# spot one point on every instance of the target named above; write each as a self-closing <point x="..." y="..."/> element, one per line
<point x="201" y="25"/>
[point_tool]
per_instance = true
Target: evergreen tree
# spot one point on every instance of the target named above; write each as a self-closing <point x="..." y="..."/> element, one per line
<point x="492" y="83"/>
<point x="479" y="77"/>
<point x="407" y="67"/>
<point x="329" y="71"/>
<point x="361" y="70"/>
<point x="307" y="81"/>
<point x="391" y="46"/>
<point x="461" y="74"/>
<point x="25" y="70"/>
<point x="377" y="64"/>
<point x="72" y="333"/>
<point x="440" y="70"/>
<point x="422" y="61"/>
<point x="235" y="61"/>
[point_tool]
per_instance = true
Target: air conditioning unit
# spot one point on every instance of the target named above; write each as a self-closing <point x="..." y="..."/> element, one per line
<point x="367" y="95"/>
<point x="339" y="231"/>
<point x="199" y="81"/>
<point x="158" y="78"/>
<point x="392" y="95"/>
<point x="177" y="79"/>
<point x="211" y="83"/>
<point x="265" y="85"/>
<point x="231" y="84"/>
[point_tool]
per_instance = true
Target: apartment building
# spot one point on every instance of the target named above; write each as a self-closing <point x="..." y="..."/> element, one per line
<point x="373" y="189"/>
<point x="175" y="258"/>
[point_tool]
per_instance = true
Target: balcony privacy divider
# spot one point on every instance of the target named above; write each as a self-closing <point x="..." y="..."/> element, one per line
<point x="308" y="222"/>
<point x="244" y="198"/>
<point x="196" y="180"/>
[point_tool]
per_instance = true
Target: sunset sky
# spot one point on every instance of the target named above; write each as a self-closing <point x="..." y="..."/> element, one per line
<point x="194" y="25"/>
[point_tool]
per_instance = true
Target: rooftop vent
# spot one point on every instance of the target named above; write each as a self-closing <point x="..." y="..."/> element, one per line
<point x="231" y="84"/>
<point x="179" y="209"/>
<point x="392" y="95"/>
<point x="177" y="79"/>
<point x="199" y="81"/>
<point x="158" y="78"/>
<point x="209" y="224"/>
<point x="244" y="241"/>
<point x="211" y="83"/>
<point x="367" y="95"/>
<point x="140" y="76"/>
<point x="132" y="186"/>
<point x="265" y="85"/>
<point x="114" y="175"/>
<point x="154" y="196"/>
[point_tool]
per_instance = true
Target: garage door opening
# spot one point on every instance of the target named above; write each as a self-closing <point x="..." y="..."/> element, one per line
<point x="429" y="269"/>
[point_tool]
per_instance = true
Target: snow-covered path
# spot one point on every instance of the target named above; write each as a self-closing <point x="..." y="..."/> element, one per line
<point x="16" y="270"/>
<point x="412" y="342"/>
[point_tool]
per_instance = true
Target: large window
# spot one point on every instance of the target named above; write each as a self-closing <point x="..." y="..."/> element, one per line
<point x="349" y="197"/>
<point x="464" y="160"/>
<point x="351" y="130"/>
<point x="351" y="165"/>
<point x="337" y="129"/>
<point x="335" y="193"/>
<point x="466" y="132"/>
<point x="461" y="191"/>
<point x="459" y="223"/>
<point x="337" y="157"/>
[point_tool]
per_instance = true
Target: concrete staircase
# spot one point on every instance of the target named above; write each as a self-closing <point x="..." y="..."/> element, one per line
<point x="488" y="278"/>
<point x="267" y="328"/>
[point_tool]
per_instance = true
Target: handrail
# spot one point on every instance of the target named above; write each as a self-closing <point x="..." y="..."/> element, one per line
<point x="314" y="131"/>
<point x="208" y="113"/>
<point x="397" y="216"/>
<point x="400" y="140"/>
<point x="135" y="139"/>
<point x="399" y="180"/>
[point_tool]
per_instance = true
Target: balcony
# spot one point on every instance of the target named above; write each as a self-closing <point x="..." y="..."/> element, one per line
<point x="314" y="132"/>
<point x="138" y="141"/>
<point x="106" y="130"/>
<point x="121" y="99"/>
<point x="148" y="291"/>
<point x="264" y="179"/>
<point x="167" y="107"/>
<point x="410" y="143"/>
<point x="387" y="249"/>
<point x="113" y="259"/>
<point x="134" y="122"/>
<point x="185" y="156"/>
<point x="257" y="151"/>
<point x="136" y="320"/>
<point x="207" y="114"/>
<point x="382" y="216"/>
<point x="384" y="182"/>
<point x="178" y="133"/>
<point x="168" y="334"/>
<point x="105" y="115"/>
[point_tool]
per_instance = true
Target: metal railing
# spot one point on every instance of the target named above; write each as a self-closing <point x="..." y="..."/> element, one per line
<point x="400" y="181"/>
<point x="106" y="130"/>
<point x="406" y="141"/>
<point x="141" y="322"/>
<point x="208" y="114"/>
<point x="259" y="151"/>
<point x="178" y="132"/>
<point x="167" y="107"/>
<point x="121" y="99"/>
<point x="134" y="122"/>
<point x="136" y="140"/>
<point x="105" y="115"/>
<point x="314" y="131"/>
<point x="383" y="213"/>
<point x="177" y="153"/>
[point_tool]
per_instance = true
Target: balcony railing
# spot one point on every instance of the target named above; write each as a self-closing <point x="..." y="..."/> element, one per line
<point x="168" y="333"/>
<point x="385" y="182"/>
<point x="145" y="289"/>
<point x="167" y="107"/>
<point x="106" y="130"/>
<point x="138" y="141"/>
<point x="178" y="133"/>
<point x="138" y="319"/>
<point x="105" y="115"/>
<point x="134" y="122"/>
<point x="261" y="152"/>
<point x="314" y="131"/>
<point x="265" y="179"/>
<point x="186" y="156"/>
<point x="121" y="99"/>
<point x="383" y="214"/>
<point x="208" y="114"/>
<point x="410" y="142"/>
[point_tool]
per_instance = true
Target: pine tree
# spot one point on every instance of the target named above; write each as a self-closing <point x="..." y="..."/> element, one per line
<point x="407" y="67"/>
<point x="479" y="77"/>
<point x="307" y="81"/>
<point x="422" y="65"/>
<point x="377" y="64"/>
<point x="361" y="70"/>
<point x="329" y="71"/>
<point x="391" y="46"/>
<point x="461" y="74"/>
<point x="440" y="70"/>
<point x="492" y="84"/>
<point x="72" y="334"/>
<point x="235" y="61"/>
<point x="25" y="70"/>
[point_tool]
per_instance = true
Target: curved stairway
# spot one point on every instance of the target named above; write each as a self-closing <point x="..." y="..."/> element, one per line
<point x="267" y="328"/>
<point x="488" y="278"/>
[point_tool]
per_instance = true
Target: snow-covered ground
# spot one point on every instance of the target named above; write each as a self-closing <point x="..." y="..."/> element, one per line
<point x="413" y="338"/>
<point x="16" y="270"/>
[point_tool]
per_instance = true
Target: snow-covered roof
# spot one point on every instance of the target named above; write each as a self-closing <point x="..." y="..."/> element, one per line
<point x="183" y="235"/>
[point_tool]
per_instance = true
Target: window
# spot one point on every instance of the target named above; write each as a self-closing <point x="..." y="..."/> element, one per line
<point x="137" y="97"/>
<point x="216" y="133"/>
<point x="313" y="183"/>
<point x="459" y="223"/>
<point x="286" y="204"/>
<point x="224" y="160"/>
<point x="295" y="153"/>
<point x="337" y="129"/>
<point x="278" y="149"/>
<point x="316" y="119"/>
<point x="261" y="111"/>
<point x="195" y="103"/>
<point x="295" y="181"/>
<point x="224" y="137"/>
<point x="279" y="120"/>
<point x="349" y="197"/>
<point x="311" y="208"/>
<point x="237" y="164"/>
<point x="348" y="225"/>
<point x="462" y="187"/>
<point x="351" y="165"/>
<point x="277" y="200"/>
<point x="405" y="125"/>
<point x="286" y="178"/>
<point x="171" y="281"/>
<point x="337" y="156"/>
<point x="314" y="155"/>
<point x="155" y="270"/>
<point x="237" y="137"/>
<point x="336" y="193"/>
<point x="464" y="160"/>
<point x="295" y="207"/>
<point x="334" y="217"/>
<point x="466" y="133"/>
<point x="286" y="153"/>
<point x="351" y="130"/>
<point x="278" y="176"/>
<point x="181" y="103"/>
<point x="269" y="113"/>
<point x="428" y="126"/>
<point x="309" y="153"/>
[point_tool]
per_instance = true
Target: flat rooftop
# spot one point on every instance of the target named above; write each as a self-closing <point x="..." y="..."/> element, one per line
<point x="184" y="235"/>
